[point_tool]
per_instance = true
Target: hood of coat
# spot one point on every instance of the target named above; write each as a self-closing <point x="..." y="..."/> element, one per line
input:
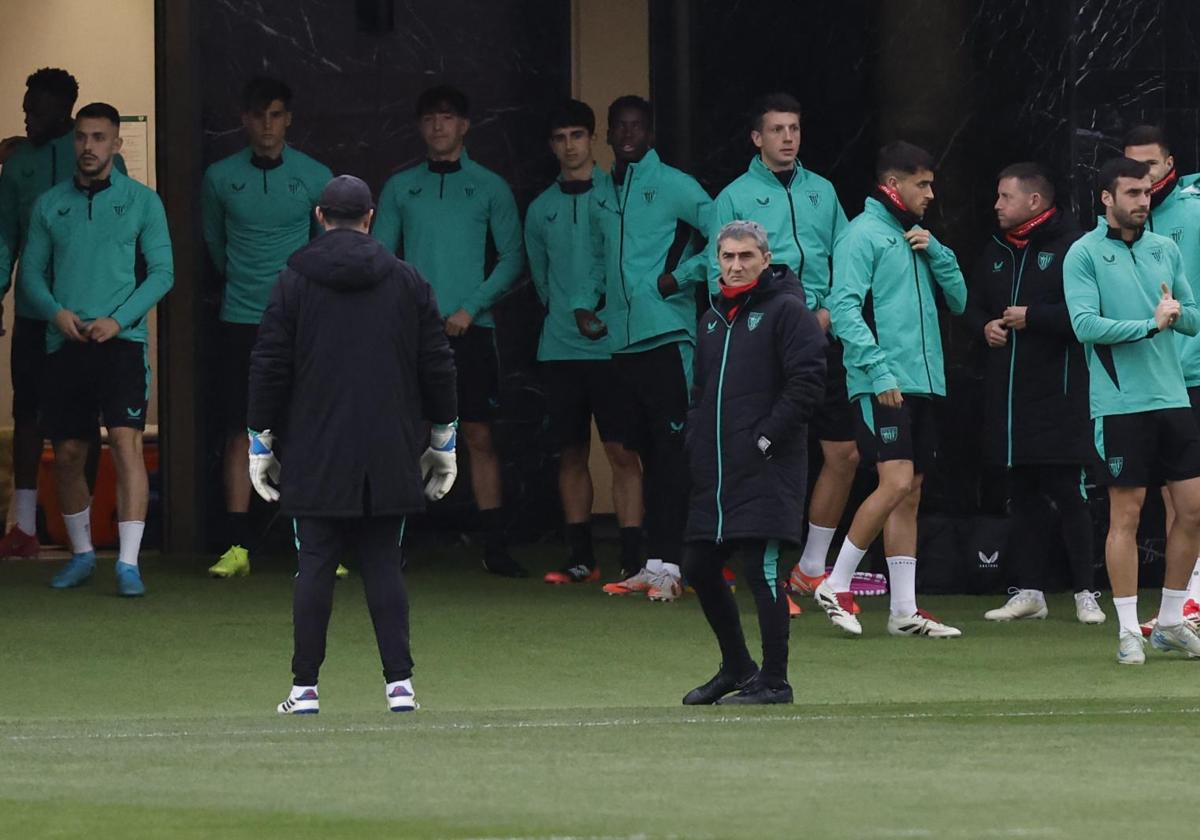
<point x="343" y="260"/>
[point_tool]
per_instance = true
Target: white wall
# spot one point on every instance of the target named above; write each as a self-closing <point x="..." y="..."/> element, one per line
<point x="109" y="47"/>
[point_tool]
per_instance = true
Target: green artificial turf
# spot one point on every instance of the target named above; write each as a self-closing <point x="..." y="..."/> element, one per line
<point x="554" y="712"/>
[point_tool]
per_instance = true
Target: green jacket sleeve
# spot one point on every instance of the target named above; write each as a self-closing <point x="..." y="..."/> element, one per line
<point x="212" y="217"/>
<point x="838" y="225"/>
<point x="587" y="295"/>
<point x="324" y="176"/>
<point x="947" y="274"/>
<point x="535" y="249"/>
<point x="696" y="208"/>
<point x="1188" y="322"/>
<point x="387" y="228"/>
<point x="505" y="224"/>
<point x="6" y="267"/>
<point x="154" y="243"/>
<point x="1083" y="302"/>
<point x="853" y="266"/>
<point x="35" y="266"/>
<point x="722" y="214"/>
<point x="10" y="224"/>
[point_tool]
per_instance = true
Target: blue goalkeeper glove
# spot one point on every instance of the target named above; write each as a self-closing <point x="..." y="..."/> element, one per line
<point x="263" y="464"/>
<point x="439" y="464"/>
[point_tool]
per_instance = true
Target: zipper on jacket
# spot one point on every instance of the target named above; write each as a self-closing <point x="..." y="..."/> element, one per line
<point x="1066" y="368"/>
<point x="1014" y="293"/>
<point x="921" y="320"/>
<point x="53" y="164"/>
<point x="264" y="172"/>
<point x="720" y="390"/>
<point x="442" y="185"/>
<point x="89" y="205"/>
<point x="621" y="256"/>
<point x="574" y="209"/>
<point x="795" y="235"/>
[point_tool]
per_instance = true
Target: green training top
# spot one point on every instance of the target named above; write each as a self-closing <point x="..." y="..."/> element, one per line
<point x="559" y="245"/>
<point x="1178" y="216"/>
<point x="633" y="228"/>
<point x="903" y="348"/>
<point x="438" y="215"/>
<point x="83" y="255"/>
<point x="1112" y="288"/>
<point x="30" y="171"/>
<point x="257" y="212"/>
<point x="803" y="219"/>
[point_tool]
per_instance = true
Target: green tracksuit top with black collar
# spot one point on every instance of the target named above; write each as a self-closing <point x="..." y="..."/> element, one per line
<point x="29" y="172"/>
<point x="903" y="349"/>
<point x="256" y="213"/>
<point x="633" y="228"/>
<point x="558" y="242"/>
<point x="438" y="215"/>
<point x="1178" y="216"/>
<point x="83" y="250"/>
<point x="803" y="219"/>
<point x="1112" y="288"/>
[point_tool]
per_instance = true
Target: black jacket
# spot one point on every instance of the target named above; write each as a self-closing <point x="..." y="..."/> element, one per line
<point x="759" y="374"/>
<point x="351" y="358"/>
<point x="1043" y="417"/>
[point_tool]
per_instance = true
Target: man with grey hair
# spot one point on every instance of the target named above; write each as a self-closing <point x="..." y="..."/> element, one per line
<point x="760" y="372"/>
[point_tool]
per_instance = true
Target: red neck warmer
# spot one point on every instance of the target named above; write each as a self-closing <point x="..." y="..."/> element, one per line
<point x="1019" y="236"/>
<point x="732" y="294"/>
<point x="1159" y="191"/>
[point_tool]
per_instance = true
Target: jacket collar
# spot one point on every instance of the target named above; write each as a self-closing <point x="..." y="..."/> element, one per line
<point x="98" y="185"/>
<point x="763" y="173"/>
<point x="267" y="163"/>
<point x="876" y="209"/>
<point x="648" y="165"/>
<point x="578" y="187"/>
<point x="445" y="167"/>
<point x="1115" y="233"/>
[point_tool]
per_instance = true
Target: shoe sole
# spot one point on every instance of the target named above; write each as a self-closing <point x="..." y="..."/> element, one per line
<point x="622" y="591"/>
<point x="227" y="575"/>
<point x="1169" y="648"/>
<point x="1037" y="616"/>
<point x="1092" y="621"/>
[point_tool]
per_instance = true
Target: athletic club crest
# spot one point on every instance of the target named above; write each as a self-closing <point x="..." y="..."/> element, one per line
<point x="754" y="320"/>
<point x="1177" y="235"/>
<point x="1045" y="258"/>
<point x="889" y="434"/>
<point x="1157" y="254"/>
<point x="815" y="198"/>
<point x="649" y="195"/>
<point x="1115" y="465"/>
<point x="470" y="191"/>
<point x="119" y="209"/>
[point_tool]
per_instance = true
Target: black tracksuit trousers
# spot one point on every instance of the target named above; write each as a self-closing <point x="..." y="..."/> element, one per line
<point x="1046" y="500"/>
<point x="376" y="544"/>
<point x="702" y="565"/>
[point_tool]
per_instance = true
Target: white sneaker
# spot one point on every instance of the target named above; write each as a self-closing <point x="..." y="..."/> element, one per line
<point x="921" y="623"/>
<point x="838" y="606"/>
<point x="1178" y="638"/>
<point x="300" y="702"/>
<point x="664" y="586"/>
<point x="1087" y="608"/>
<point x="400" y="697"/>
<point x="1024" y="603"/>
<point x="1132" y="649"/>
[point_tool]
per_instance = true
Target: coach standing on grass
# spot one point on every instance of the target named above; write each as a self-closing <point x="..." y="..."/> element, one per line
<point x="760" y="372"/>
<point x="350" y="362"/>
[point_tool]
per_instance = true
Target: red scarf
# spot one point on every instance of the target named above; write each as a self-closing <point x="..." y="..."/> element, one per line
<point x="1159" y="191"/>
<point x="1019" y="236"/>
<point x="733" y="293"/>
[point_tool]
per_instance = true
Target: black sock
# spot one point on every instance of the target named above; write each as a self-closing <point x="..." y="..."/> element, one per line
<point x="491" y="522"/>
<point x="579" y="539"/>
<point x="238" y="529"/>
<point x="631" y="549"/>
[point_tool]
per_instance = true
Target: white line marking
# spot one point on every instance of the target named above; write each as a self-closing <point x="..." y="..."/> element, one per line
<point x="592" y="724"/>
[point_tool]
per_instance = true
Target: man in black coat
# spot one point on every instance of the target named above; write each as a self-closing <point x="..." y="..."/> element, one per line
<point x="759" y="373"/>
<point x="1036" y="398"/>
<point x="350" y="362"/>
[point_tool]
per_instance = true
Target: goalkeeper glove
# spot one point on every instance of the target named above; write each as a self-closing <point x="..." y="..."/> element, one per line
<point x="439" y="463"/>
<point x="263" y="464"/>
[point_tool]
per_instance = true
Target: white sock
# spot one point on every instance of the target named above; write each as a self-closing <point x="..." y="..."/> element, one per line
<point x="130" y="534"/>
<point x="79" y="530"/>
<point x="902" y="581"/>
<point x="847" y="564"/>
<point x="672" y="569"/>
<point x="1170" y="612"/>
<point x="1127" y="614"/>
<point x="25" y="510"/>
<point x="1194" y="584"/>
<point x="654" y="565"/>
<point x="816" y="550"/>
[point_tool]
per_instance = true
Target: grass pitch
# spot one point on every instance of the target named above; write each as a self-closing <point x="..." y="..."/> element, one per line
<point x="554" y="713"/>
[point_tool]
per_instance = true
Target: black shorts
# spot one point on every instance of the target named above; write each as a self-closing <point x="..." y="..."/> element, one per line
<point x="1194" y="399"/>
<point x="27" y="364"/>
<point x="478" y="370"/>
<point x="85" y="381"/>
<point x="907" y="433"/>
<point x="659" y="384"/>
<point x="1149" y="448"/>
<point x="578" y="390"/>
<point x="834" y="417"/>
<point x="237" y="342"/>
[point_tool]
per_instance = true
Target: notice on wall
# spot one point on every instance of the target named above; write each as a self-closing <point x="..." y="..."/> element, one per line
<point x="135" y="147"/>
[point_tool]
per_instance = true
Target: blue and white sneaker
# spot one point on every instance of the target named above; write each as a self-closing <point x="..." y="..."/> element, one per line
<point x="400" y="696"/>
<point x="1180" y="638"/>
<point x="129" y="581"/>
<point x="301" y="701"/>
<point x="77" y="572"/>
<point x="1131" y="648"/>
